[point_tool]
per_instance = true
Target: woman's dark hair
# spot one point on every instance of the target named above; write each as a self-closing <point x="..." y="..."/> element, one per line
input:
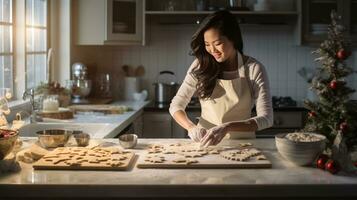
<point x="208" y="70"/>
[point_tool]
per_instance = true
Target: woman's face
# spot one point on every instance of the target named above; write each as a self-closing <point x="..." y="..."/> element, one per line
<point x="218" y="45"/>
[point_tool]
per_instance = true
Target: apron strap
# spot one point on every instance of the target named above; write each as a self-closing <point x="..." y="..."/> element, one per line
<point x="246" y="74"/>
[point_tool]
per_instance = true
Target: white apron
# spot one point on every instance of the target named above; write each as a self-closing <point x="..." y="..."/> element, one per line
<point x="231" y="100"/>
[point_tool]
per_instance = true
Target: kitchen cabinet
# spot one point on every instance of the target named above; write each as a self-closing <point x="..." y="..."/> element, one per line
<point x="157" y="125"/>
<point x="138" y="125"/>
<point x="284" y="122"/>
<point x="109" y="22"/>
<point x="315" y="18"/>
<point x="160" y="124"/>
<point x="178" y="131"/>
<point x="194" y="11"/>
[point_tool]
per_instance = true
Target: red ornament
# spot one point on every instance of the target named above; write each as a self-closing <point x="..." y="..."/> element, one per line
<point x="343" y="54"/>
<point x="332" y="166"/>
<point x="312" y="114"/>
<point x="344" y="127"/>
<point x="355" y="164"/>
<point x="321" y="161"/>
<point x="333" y="84"/>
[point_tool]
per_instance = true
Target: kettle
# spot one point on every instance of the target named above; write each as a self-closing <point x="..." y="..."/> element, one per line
<point x="165" y="90"/>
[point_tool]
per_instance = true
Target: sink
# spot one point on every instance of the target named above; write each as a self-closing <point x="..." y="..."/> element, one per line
<point x="93" y="129"/>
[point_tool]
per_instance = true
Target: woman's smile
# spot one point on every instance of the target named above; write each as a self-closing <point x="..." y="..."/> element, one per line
<point x="217" y="55"/>
<point x="218" y="45"/>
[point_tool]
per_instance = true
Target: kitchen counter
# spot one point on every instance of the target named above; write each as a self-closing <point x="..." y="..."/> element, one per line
<point x="154" y="107"/>
<point x="116" y="122"/>
<point x="282" y="181"/>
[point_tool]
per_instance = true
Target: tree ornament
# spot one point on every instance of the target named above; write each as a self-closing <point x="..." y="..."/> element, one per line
<point x="332" y="166"/>
<point x="344" y="127"/>
<point x="333" y="84"/>
<point x="342" y="54"/>
<point x="312" y="114"/>
<point x="321" y="161"/>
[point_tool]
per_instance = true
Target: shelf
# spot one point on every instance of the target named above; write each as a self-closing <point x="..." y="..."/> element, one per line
<point x="210" y="12"/>
<point x="244" y="17"/>
<point x="323" y="1"/>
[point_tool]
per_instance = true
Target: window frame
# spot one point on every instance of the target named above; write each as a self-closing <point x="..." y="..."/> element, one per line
<point x="12" y="53"/>
<point x="48" y="40"/>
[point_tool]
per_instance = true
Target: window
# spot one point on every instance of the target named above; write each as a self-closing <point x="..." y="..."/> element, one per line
<point x="36" y="42"/>
<point x="6" y="46"/>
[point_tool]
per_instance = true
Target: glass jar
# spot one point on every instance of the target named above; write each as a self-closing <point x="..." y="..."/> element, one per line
<point x="50" y="103"/>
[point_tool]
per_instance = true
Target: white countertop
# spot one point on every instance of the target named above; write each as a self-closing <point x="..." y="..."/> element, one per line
<point x="118" y="121"/>
<point x="97" y="125"/>
<point x="283" y="180"/>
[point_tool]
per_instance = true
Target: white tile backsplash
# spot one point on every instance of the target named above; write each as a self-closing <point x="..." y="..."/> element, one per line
<point x="168" y="48"/>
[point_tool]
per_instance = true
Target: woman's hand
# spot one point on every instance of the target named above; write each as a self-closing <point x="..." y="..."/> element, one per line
<point x="214" y="135"/>
<point x="197" y="133"/>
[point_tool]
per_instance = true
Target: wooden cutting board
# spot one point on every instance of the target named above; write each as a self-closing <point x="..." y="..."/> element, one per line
<point x="103" y="108"/>
<point x="92" y="101"/>
<point x="167" y="158"/>
<point x="62" y="113"/>
<point x="81" y="158"/>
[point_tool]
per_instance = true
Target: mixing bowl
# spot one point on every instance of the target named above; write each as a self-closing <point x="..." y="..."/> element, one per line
<point x="53" y="137"/>
<point x="128" y="140"/>
<point x="82" y="139"/>
<point x="297" y="152"/>
<point x="80" y="88"/>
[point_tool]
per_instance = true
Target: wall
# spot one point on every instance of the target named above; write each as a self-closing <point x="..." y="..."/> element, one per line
<point x="60" y="40"/>
<point x="168" y="49"/>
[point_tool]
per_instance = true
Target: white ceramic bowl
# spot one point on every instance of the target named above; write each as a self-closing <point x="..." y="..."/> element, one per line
<point x="299" y="153"/>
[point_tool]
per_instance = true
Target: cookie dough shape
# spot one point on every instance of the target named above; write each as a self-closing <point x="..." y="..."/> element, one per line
<point x="185" y="160"/>
<point x="84" y="157"/>
<point x="155" y="159"/>
<point x="240" y="155"/>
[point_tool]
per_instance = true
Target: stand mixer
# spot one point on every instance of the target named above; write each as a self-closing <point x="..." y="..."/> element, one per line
<point x="80" y="85"/>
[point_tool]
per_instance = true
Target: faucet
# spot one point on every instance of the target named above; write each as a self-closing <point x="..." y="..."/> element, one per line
<point x="31" y="93"/>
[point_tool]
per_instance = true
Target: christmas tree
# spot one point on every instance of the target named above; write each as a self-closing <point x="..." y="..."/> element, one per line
<point x="333" y="114"/>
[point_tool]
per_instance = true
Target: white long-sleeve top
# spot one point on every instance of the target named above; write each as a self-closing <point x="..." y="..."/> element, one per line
<point x="261" y="92"/>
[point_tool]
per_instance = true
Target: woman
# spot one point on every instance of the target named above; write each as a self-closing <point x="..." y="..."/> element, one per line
<point x="227" y="82"/>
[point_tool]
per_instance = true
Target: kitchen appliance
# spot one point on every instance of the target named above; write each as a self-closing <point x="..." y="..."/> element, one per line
<point x="79" y="71"/>
<point x="165" y="87"/>
<point x="79" y="86"/>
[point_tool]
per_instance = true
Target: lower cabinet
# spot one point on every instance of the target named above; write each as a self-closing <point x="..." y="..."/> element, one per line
<point x="284" y="122"/>
<point x="157" y="125"/>
<point x="178" y="131"/>
<point x="138" y="126"/>
<point x="160" y="124"/>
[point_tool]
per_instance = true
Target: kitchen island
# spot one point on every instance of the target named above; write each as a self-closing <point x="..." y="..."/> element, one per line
<point x="282" y="181"/>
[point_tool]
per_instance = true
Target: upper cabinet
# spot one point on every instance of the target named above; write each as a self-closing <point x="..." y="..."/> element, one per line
<point x="352" y="6"/>
<point x="247" y="11"/>
<point x="112" y="22"/>
<point x="315" y="18"/>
